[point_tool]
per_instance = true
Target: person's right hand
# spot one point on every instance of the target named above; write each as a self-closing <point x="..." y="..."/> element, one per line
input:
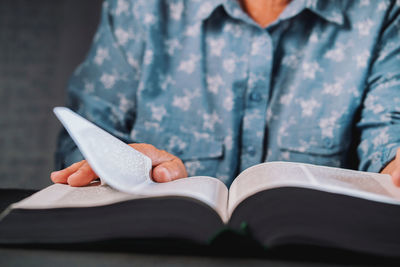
<point x="166" y="167"/>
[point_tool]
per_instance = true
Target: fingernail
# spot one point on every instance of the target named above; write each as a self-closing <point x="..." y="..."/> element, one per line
<point x="163" y="174"/>
<point x="54" y="174"/>
<point x="72" y="176"/>
<point x="168" y="178"/>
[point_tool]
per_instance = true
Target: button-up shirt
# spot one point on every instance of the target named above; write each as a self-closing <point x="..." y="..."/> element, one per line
<point x="203" y="81"/>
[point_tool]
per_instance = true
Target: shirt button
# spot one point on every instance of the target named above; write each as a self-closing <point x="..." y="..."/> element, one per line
<point x="255" y="96"/>
<point x="328" y="142"/>
<point x="251" y="150"/>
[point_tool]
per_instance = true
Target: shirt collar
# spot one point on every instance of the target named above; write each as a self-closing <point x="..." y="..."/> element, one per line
<point x="330" y="10"/>
<point x="201" y="9"/>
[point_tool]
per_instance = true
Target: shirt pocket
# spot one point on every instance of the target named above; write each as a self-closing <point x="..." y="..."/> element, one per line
<point x="309" y="146"/>
<point x="201" y="152"/>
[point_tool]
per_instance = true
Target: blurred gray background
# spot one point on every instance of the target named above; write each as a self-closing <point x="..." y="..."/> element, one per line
<point x="41" y="43"/>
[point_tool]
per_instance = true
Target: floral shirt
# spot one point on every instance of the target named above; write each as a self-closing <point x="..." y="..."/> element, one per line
<point x="201" y="80"/>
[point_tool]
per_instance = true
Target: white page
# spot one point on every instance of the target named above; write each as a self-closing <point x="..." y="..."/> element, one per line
<point x="126" y="170"/>
<point x="372" y="186"/>
<point x="368" y="185"/>
<point x="115" y="162"/>
<point x="210" y="191"/>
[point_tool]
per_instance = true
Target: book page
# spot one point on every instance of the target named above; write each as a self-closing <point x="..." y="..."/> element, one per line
<point x="369" y="185"/>
<point x="115" y="162"/>
<point x="124" y="169"/>
<point x="210" y="191"/>
<point x="372" y="186"/>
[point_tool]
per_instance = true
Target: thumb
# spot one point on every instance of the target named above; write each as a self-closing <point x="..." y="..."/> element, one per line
<point x="396" y="177"/>
<point x="169" y="171"/>
<point x="396" y="171"/>
<point x="393" y="169"/>
<point x="166" y="167"/>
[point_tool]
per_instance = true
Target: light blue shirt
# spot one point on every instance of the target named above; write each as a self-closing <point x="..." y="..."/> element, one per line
<point x="201" y="80"/>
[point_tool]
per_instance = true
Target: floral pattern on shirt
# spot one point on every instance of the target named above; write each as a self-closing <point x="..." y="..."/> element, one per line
<point x="203" y="81"/>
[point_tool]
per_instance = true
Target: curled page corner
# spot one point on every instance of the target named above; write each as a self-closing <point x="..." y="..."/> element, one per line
<point x="116" y="163"/>
<point x="102" y="182"/>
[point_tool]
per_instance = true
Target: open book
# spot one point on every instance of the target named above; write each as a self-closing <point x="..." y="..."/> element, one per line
<point x="277" y="202"/>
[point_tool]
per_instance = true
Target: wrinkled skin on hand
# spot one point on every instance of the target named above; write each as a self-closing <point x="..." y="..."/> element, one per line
<point x="166" y="167"/>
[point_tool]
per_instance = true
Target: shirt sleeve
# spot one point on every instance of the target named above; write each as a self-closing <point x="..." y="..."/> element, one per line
<point x="380" y="115"/>
<point x="103" y="88"/>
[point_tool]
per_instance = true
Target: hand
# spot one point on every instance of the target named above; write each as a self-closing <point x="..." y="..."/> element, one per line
<point x="166" y="167"/>
<point x="393" y="168"/>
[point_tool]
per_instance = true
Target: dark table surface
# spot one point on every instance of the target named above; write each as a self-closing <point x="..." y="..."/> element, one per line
<point x="103" y="254"/>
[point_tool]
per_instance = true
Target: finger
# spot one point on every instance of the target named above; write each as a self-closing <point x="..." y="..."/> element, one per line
<point x="166" y="167"/>
<point x="396" y="177"/>
<point x="61" y="176"/>
<point x="157" y="156"/>
<point x="169" y="171"/>
<point x="83" y="176"/>
<point x="396" y="169"/>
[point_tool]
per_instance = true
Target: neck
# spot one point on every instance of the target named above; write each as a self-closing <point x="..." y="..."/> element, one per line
<point x="264" y="12"/>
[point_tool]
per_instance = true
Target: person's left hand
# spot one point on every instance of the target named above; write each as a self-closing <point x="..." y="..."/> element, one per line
<point x="393" y="169"/>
